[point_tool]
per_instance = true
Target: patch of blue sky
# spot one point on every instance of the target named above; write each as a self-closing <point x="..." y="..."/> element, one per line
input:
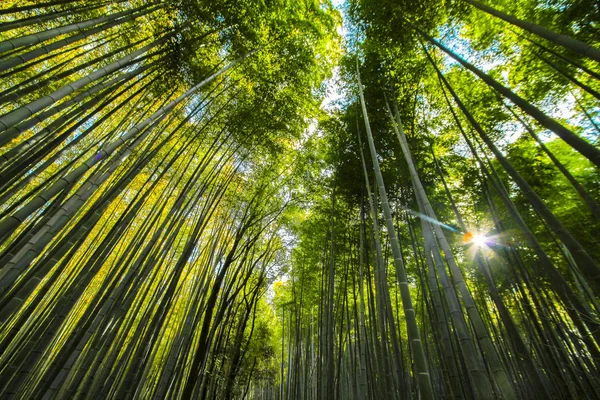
<point x="336" y="96"/>
<point x="450" y="36"/>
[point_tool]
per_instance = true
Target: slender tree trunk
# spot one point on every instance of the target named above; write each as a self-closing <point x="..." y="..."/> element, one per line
<point x="483" y="337"/>
<point x="587" y="264"/>
<point x="8" y="224"/>
<point x="567" y="42"/>
<point x="422" y="372"/>
<point x="579" y="144"/>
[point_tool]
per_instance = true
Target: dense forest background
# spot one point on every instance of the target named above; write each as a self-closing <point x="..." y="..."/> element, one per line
<point x="279" y="199"/>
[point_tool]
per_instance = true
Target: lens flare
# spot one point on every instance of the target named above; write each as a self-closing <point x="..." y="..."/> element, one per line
<point x="476" y="239"/>
<point x="479" y="240"/>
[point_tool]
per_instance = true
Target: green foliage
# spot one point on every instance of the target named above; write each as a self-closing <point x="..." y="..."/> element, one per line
<point x="159" y="241"/>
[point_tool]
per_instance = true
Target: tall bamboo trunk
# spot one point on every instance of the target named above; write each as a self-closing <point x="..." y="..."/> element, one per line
<point x="418" y="353"/>
<point x="567" y="42"/>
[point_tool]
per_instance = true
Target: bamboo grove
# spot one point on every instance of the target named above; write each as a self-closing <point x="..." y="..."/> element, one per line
<point x="183" y="216"/>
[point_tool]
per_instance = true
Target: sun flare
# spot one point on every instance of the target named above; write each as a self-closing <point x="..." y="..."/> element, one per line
<point x="476" y="239"/>
<point x="479" y="240"/>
